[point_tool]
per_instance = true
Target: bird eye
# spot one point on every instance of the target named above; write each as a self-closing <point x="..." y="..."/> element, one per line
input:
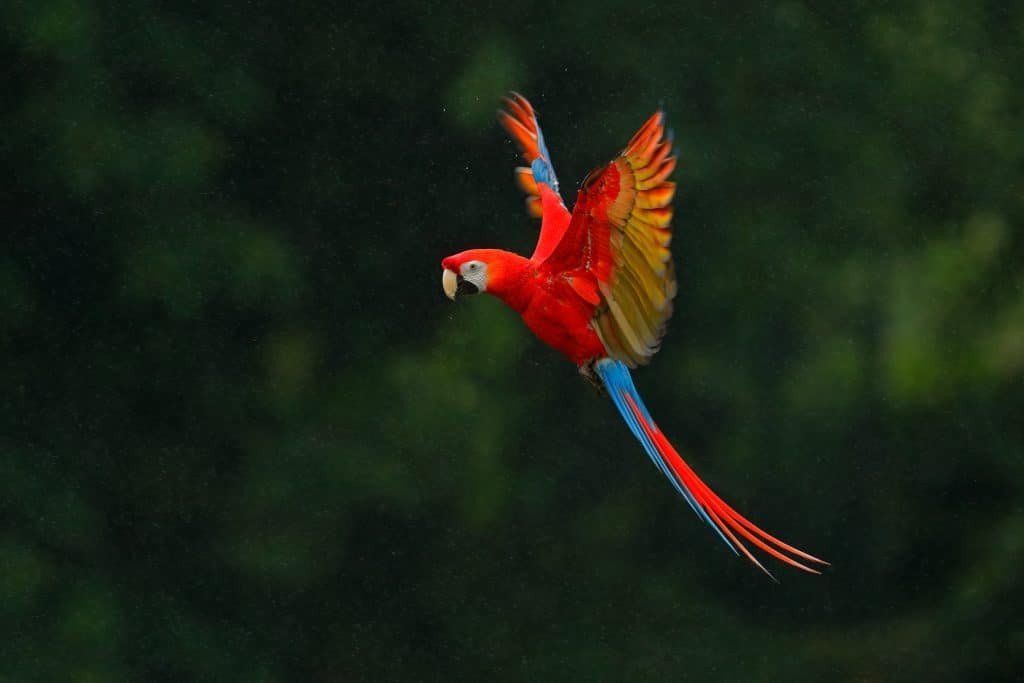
<point x="474" y="266"/>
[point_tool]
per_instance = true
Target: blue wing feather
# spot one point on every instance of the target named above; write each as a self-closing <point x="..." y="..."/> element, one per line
<point x="546" y="168"/>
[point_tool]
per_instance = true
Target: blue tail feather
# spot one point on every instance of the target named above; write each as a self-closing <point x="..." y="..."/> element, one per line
<point x="619" y="383"/>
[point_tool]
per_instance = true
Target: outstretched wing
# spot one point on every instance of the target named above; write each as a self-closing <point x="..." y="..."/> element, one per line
<point x="538" y="178"/>
<point x="620" y="233"/>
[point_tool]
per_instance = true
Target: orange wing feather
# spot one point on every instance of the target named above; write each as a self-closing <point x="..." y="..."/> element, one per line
<point x="542" y="197"/>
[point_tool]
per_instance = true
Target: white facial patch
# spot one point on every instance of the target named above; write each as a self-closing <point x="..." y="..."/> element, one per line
<point x="475" y="272"/>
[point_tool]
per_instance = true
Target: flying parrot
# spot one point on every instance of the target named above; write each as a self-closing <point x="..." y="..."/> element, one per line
<point x="599" y="288"/>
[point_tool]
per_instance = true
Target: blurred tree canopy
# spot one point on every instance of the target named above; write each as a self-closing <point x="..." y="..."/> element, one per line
<point x="244" y="436"/>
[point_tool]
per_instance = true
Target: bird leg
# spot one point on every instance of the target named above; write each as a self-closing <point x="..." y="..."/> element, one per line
<point x="588" y="373"/>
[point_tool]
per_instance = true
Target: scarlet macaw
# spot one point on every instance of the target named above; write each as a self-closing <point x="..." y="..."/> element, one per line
<point x="599" y="288"/>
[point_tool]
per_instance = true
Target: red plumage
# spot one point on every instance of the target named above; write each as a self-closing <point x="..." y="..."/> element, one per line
<point x="599" y="288"/>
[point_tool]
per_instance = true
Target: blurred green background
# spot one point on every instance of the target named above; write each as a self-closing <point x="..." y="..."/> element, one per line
<point x="243" y="435"/>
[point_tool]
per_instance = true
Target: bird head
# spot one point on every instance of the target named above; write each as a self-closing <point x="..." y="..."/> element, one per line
<point x="467" y="272"/>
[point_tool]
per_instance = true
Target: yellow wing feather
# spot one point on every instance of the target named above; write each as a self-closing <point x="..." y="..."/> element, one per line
<point x="637" y="294"/>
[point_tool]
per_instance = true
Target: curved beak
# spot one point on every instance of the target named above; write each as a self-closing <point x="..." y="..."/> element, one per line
<point x="450" y="283"/>
<point x="454" y="284"/>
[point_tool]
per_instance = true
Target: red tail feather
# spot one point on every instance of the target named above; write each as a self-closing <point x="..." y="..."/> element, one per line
<point x="727" y="519"/>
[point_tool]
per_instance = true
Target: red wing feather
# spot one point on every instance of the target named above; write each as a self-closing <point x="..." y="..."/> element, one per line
<point x="620" y="233"/>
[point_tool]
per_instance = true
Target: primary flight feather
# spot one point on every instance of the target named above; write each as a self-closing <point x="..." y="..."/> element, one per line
<point x="599" y="288"/>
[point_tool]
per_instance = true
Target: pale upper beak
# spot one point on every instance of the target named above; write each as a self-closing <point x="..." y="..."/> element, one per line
<point x="450" y="282"/>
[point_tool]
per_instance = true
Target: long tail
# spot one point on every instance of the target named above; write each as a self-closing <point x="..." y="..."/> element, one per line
<point x="729" y="524"/>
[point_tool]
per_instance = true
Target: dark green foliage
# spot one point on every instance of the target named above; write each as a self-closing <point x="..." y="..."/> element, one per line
<point x="243" y="436"/>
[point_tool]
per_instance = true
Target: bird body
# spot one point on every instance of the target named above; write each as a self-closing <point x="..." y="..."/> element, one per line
<point x="599" y="288"/>
<point x="547" y="301"/>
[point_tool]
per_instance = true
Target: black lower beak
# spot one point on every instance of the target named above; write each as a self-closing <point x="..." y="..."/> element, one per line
<point x="464" y="286"/>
